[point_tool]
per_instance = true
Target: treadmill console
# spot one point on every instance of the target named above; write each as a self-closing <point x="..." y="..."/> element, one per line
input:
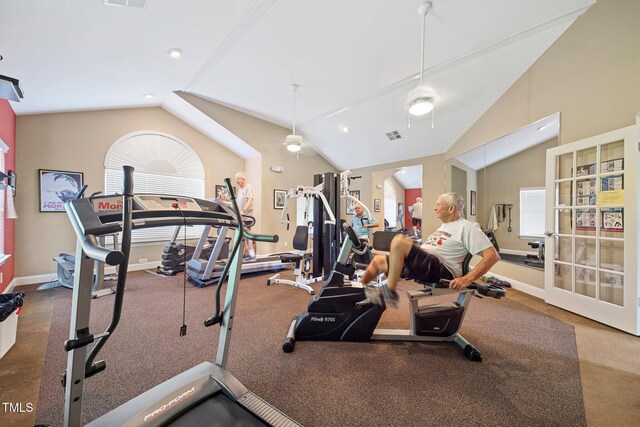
<point x="152" y="202"/>
<point x="156" y="202"/>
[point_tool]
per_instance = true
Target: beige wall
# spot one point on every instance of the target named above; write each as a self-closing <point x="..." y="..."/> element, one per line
<point x="501" y="183"/>
<point x="472" y="185"/>
<point x="590" y="75"/>
<point x="79" y="142"/>
<point x="268" y="139"/>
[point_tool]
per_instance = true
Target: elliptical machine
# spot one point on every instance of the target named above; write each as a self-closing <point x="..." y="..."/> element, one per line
<point x="66" y="264"/>
<point x="342" y="312"/>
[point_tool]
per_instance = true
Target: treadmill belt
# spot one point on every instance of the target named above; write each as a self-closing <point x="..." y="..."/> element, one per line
<point x="217" y="411"/>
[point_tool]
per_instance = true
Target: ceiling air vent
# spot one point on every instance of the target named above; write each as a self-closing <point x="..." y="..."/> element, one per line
<point x="141" y="4"/>
<point x="393" y="135"/>
<point x="10" y="89"/>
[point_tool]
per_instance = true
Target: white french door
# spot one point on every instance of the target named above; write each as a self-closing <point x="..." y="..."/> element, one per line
<point x="591" y="262"/>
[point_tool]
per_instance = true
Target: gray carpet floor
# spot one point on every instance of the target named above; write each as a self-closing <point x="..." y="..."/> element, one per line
<point x="529" y="377"/>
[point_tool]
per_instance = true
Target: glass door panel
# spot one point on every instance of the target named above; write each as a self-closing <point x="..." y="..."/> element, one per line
<point x="586" y="161"/>
<point x="612" y="288"/>
<point x="612" y="157"/>
<point x="562" y="277"/>
<point x="586" y="252"/>
<point x="563" y="249"/>
<point x="585" y="222"/>
<point x="586" y="281"/>
<point x="612" y="222"/>
<point x="586" y="192"/>
<point x="564" y="166"/>
<point x="564" y="191"/>
<point x="612" y="255"/>
<point x="563" y="223"/>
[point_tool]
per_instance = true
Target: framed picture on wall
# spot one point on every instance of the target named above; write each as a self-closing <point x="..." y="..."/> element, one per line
<point x="57" y="188"/>
<point x="222" y="194"/>
<point x="376" y="205"/>
<point x="350" y="203"/>
<point x="472" y="203"/>
<point x="279" y="197"/>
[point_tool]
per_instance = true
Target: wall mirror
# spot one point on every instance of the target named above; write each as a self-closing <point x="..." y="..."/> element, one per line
<point x="394" y="192"/>
<point x="503" y="182"/>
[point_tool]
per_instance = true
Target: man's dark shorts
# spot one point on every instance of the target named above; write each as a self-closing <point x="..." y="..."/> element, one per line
<point x="416" y="222"/>
<point x="424" y="267"/>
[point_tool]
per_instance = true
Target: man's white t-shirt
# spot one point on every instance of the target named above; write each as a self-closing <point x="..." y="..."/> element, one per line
<point x="244" y="194"/>
<point x="453" y="241"/>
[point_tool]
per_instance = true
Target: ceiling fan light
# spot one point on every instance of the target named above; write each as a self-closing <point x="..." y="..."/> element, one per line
<point x="293" y="147"/>
<point x="293" y="143"/>
<point x="420" y="106"/>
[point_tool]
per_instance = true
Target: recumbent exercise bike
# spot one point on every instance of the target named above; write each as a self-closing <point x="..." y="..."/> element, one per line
<point x="342" y="312"/>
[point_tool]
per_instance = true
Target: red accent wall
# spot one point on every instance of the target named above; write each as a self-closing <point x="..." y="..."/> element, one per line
<point x="410" y="196"/>
<point x="8" y="135"/>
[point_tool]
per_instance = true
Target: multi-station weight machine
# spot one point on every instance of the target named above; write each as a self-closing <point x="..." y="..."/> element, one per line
<point x="326" y="194"/>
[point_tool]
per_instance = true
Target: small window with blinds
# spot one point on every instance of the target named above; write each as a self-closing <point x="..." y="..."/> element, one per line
<point x="162" y="165"/>
<point x="532" y="212"/>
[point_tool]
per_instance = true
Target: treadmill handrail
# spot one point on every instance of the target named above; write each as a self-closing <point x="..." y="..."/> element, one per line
<point x="90" y="244"/>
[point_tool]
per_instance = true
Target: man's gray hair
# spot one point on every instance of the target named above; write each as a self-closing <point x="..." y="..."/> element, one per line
<point x="454" y="199"/>
<point x="241" y="175"/>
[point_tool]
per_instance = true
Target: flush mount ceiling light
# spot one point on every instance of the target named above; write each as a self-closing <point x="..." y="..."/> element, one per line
<point x="420" y="99"/>
<point x="294" y="142"/>
<point x="175" y="52"/>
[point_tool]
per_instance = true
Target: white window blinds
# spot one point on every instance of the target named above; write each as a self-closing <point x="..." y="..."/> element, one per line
<point x="532" y="212"/>
<point x="163" y="165"/>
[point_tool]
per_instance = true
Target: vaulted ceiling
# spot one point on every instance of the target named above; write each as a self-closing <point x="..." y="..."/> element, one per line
<point x="354" y="61"/>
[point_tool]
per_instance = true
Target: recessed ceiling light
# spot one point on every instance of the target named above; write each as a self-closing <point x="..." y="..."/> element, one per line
<point x="148" y="95"/>
<point x="344" y="129"/>
<point x="175" y="52"/>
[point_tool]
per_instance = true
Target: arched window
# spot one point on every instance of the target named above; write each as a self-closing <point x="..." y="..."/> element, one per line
<point x="390" y="205"/>
<point x="163" y="164"/>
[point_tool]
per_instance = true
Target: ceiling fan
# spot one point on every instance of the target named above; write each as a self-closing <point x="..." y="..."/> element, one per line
<point x="420" y="99"/>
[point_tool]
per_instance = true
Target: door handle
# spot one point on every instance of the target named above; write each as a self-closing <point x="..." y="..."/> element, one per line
<point x="549" y="233"/>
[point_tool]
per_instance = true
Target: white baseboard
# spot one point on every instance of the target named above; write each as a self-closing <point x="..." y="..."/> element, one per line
<point x="44" y="278"/>
<point x="9" y="288"/>
<point x="30" y="280"/>
<point x="135" y="267"/>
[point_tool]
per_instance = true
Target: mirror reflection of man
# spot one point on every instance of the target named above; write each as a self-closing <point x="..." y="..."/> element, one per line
<point x="416" y="216"/>
<point x="362" y="224"/>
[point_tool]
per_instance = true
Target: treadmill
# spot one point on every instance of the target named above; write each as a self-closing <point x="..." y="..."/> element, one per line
<point x="205" y="395"/>
<point x="203" y="271"/>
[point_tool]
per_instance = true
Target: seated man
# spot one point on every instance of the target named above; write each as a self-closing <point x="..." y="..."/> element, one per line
<point x="440" y="257"/>
<point x="361" y="224"/>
